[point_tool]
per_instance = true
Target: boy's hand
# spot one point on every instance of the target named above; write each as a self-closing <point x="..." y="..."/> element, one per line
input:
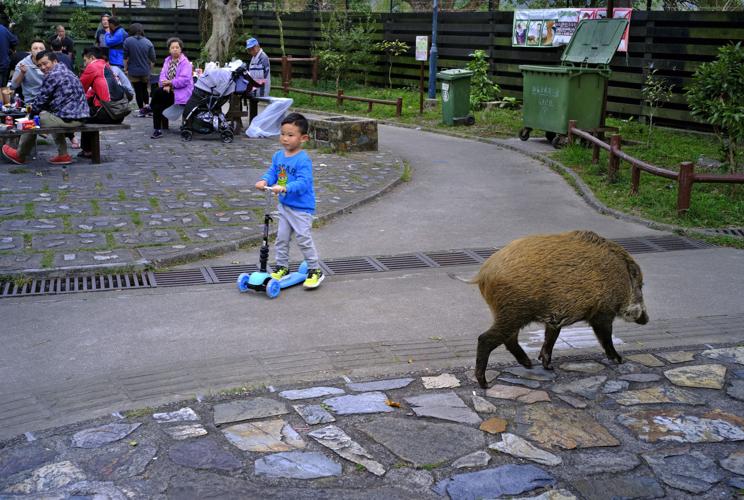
<point x="277" y="189"/>
<point x="260" y="185"/>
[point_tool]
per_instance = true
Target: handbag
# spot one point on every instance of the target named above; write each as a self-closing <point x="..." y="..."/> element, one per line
<point x="118" y="107"/>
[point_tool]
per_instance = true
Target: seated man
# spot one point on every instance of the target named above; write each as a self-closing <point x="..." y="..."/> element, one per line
<point x="59" y="103"/>
<point x="27" y="76"/>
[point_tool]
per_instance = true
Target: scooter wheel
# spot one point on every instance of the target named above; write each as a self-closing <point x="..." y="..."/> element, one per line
<point x="243" y="282"/>
<point x="524" y="134"/>
<point x="187" y="135"/>
<point x="226" y="136"/>
<point x="550" y="136"/>
<point x="273" y="289"/>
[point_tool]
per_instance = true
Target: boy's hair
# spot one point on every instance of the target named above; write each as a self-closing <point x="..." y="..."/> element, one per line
<point x="56" y="44"/>
<point x="92" y="52"/>
<point x="297" y="120"/>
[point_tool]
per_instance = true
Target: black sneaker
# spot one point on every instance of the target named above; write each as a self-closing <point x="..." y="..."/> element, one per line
<point x="314" y="278"/>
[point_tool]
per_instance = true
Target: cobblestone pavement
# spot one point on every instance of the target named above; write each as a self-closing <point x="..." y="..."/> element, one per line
<point x="661" y="425"/>
<point x="158" y="201"/>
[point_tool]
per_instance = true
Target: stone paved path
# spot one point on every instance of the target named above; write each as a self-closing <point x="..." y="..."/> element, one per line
<point x="602" y="432"/>
<point x="159" y="201"/>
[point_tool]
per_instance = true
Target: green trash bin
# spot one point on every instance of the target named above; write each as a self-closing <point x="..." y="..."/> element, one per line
<point x="456" y="96"/>
<point x="553" y="95"/>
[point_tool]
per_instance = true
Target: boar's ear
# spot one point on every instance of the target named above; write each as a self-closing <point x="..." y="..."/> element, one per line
<point x="634" y="271"/>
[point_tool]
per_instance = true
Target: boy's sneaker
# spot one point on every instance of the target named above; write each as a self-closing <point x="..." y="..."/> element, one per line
<point x="314" y="278"/>
<point x="280" y="273"/>
<point x="157" y="134"/>
<point x="142" y="113"/>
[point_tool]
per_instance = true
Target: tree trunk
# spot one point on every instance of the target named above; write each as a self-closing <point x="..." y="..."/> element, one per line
<point x="224" y="13"/>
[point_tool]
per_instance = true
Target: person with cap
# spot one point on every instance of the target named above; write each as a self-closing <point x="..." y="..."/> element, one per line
<point x="259" y="68"/>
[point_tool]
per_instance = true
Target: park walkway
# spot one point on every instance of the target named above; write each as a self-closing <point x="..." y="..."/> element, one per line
<point x="68" y="358"/>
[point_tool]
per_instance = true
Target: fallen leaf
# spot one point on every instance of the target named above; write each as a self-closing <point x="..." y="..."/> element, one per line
<point x="392" y="404"/>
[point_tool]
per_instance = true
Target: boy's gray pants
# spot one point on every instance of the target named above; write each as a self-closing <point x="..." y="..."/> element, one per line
<point x="300" y="223"/>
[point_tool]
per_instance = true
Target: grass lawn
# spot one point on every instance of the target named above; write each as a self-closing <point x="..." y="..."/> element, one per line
<point x="712" y="205"/>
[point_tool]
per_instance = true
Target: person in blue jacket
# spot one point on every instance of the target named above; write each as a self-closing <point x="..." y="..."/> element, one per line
<point x="291" y="178"/>
<point x="7" y="41"/>
<point x="115" y="42"/>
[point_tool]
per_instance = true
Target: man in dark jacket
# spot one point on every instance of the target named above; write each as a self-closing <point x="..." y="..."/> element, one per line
<point x="59" y="103"/>
<point x="7" y="41"/>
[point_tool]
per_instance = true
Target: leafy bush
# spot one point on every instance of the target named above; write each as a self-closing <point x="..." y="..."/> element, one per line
<point x="482" y="88"/>
<point x="346" y="44"/>
<point x="79" y="25"/>
<point x="717" y="96"/>
<point x="24" y="13"/>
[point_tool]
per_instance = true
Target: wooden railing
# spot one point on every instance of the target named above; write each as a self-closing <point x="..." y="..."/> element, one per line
<point x="340" y="97"/>
<point x="287" y="62"/>
<point x="686" y="177"/>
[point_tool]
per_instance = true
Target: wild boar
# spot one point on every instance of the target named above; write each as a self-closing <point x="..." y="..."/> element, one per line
<point x="557" y="279"/>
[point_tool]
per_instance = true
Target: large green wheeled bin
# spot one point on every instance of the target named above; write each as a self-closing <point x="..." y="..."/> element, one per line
<point x="456" y="96"/>
<point x="553" y="95"/>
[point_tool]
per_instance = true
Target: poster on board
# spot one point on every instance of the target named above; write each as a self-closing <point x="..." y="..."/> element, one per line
<point x="422" y="45"/>
<point x="553" y="27"/>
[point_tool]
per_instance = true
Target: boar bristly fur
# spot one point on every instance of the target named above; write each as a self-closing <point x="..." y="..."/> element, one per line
<point x="557" y="279"/>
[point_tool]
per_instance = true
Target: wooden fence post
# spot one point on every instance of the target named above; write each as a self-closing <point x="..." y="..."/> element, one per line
<point x="340" y="98"/>
<point x="398" y="106"/>
<point x="285" y="76"/>
<point x="635" y="179"/>
<point x="613" y="164"/>
<point x="285" y="84"/>
<point x="685" y="179"/>
<point x="315" y="70"/>
<point x="571" y="126"/>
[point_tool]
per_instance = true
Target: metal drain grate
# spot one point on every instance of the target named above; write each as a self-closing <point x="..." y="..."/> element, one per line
<point x="229" y="274"/>
<point x="406" y="261"/>
<point x="636" y="245"/>
<point x="732" y="231"/>
<point x="452" y="258"/>
<point x="351" y="265"/>
<point x="672" y="243"/>
<point x="181" y="277"/>
<point x="73" y="284"/>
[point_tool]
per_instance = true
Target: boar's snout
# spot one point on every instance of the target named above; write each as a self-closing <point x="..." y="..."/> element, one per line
<point x="643" y="318"/>
<point x="636" y="313"/>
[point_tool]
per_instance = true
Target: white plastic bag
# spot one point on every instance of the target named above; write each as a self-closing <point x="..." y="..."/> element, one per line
<point x="174" y="112"/>
<point x="268" y="122"/>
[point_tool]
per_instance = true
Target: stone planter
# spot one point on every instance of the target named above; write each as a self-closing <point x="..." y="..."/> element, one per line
<point x="343" y="133"/>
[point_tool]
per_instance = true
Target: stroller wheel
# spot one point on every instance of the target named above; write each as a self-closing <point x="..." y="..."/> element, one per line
<point x="187" y="135"/>
<point x="226" y="136"/>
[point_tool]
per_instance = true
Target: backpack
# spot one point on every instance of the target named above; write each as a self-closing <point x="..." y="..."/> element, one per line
<point x="118" y="107"/>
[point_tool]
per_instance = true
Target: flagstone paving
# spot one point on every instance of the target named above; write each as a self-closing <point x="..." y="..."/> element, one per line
<point x="161" y="201"/>
<point x="592" y="437"/>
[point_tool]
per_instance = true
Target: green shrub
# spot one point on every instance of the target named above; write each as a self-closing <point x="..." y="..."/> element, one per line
<point x="482" y="88"/>
<point x="391" y="48"/>
<point x="717" y="96"/>
<point x="24" y="13"/>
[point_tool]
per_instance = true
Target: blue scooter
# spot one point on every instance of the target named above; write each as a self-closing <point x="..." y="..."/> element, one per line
<point x="262" y="281"/>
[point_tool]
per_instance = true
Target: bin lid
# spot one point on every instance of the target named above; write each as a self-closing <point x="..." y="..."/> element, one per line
<point x="594" y="41"/>
<point x="454" y="74"/>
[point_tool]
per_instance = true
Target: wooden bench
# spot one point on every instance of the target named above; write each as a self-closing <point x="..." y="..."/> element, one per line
<point x="236" y="112"/>
<point x="95" y="128"/>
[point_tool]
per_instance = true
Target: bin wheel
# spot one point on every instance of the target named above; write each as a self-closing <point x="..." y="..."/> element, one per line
<point x="550" y="136"/>
<point x="187" y="135"/>
<point x="558" y="141"/>
<point x="226" y="136"/>
<point x="524" y="134"/>
<point x="470" y="120"/>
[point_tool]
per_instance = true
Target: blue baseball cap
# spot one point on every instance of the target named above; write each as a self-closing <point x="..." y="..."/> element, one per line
<point x="250" y="43"/>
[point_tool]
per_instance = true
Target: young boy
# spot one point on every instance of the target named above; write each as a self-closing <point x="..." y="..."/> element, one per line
<point x="291" y="178"/>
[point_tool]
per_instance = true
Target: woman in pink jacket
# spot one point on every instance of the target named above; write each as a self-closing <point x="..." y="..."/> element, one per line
<point x="174" y="87"/>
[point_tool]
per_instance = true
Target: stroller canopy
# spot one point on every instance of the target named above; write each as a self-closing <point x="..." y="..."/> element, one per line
<point x="218" y="81"/>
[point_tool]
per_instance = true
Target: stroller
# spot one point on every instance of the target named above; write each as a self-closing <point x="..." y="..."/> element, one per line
<point x="203" y="111"/>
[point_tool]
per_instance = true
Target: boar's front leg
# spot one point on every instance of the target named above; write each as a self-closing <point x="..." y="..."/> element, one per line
<point x="546" y="353"/>
<point x="487" y="342"/>
<point x="602" y="326"/>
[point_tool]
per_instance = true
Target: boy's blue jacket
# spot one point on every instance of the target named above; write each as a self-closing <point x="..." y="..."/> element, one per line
<point x="296" y="174"/>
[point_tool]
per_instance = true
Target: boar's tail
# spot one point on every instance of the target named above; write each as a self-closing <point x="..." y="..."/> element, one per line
<point x="471" y="281"/>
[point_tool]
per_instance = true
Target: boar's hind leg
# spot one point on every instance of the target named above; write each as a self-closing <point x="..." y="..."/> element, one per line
<point x="487" y="342"/>
<point x="546" y="353"/>
<point x="512" y="343"/>
<point x="603" y="330"/>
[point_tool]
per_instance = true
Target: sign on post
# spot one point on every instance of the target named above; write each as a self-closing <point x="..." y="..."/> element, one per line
<point x="422" y="47"/>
